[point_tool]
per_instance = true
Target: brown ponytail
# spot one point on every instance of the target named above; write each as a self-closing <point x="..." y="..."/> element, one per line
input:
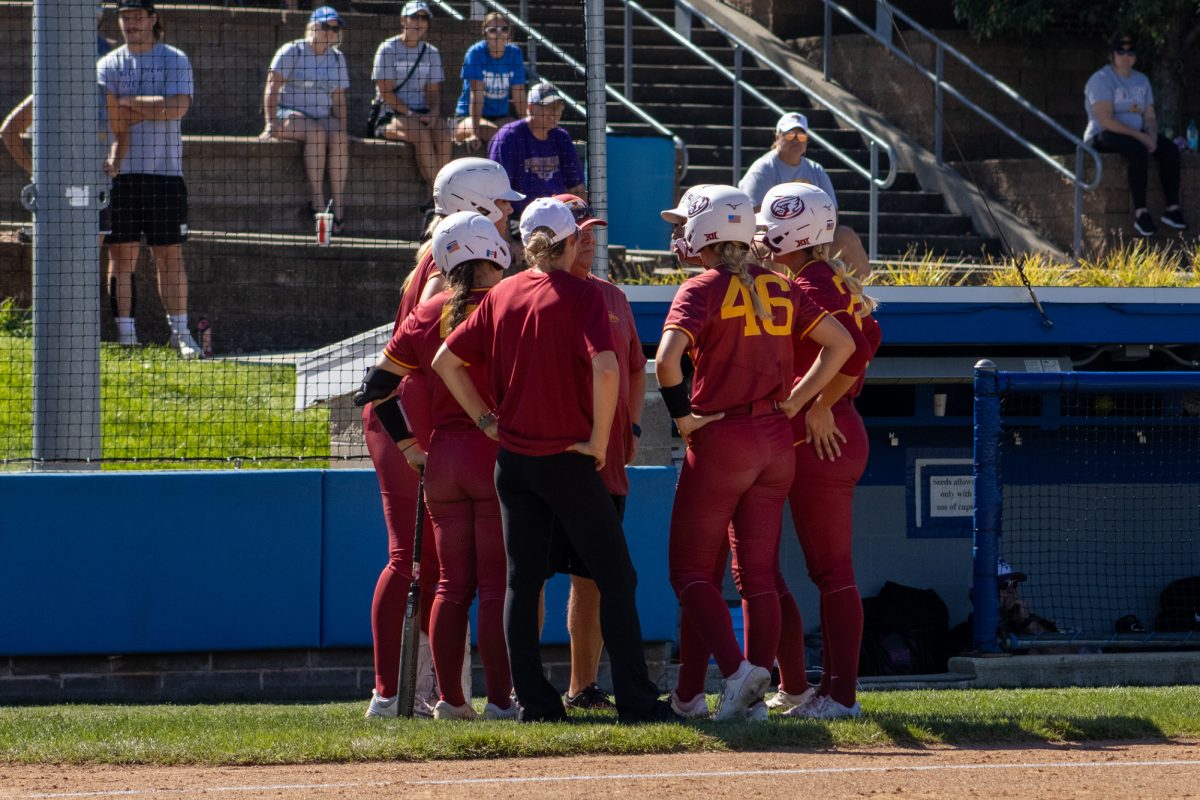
<point x="735" y="255"/>
<point x="462" y="281"/>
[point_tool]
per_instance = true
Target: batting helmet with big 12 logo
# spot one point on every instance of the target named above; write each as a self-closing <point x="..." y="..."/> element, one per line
<point x="719" y="213"/>
<point x="795" y="216"/>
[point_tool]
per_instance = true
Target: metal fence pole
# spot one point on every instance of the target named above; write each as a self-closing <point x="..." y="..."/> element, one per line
<point x="828" y="41"/>
<point x="737" y="114"/>
<point x="939" y="100"/>
<point x="873" y="237"/>
<point x="1077" y="240"/>
<point x="531" y="44"/>
<point x="66" y="195"/>
<point x="628" y="53"/>
<point x="597" y="123"/>
<point x="883" y="21"/>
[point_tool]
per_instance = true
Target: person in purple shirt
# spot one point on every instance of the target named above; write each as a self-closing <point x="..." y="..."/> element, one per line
<point x="537" y="154"/>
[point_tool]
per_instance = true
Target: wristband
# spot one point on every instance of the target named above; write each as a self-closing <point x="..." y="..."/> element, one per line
<point x="485" y="420"/>
<point x="637" y="430"/>
<point x="391" y="417"/>
<point x="676" y="399"/>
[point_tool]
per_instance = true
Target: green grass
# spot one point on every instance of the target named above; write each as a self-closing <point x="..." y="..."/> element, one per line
<point x="336" y="732"/>
<point x="158" y="411"/>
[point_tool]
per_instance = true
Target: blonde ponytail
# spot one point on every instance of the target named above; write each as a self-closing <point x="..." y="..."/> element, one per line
<point x="851" y="281"/>
<point x="735" y="255"/>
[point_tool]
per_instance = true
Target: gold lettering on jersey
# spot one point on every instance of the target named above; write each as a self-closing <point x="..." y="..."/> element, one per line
<point x="854" y="303"/>
<point x="738" y="303"/>
<point x="444" y="328"/>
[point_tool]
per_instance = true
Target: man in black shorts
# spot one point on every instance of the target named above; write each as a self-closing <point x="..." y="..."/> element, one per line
<point x="148" y="90"/>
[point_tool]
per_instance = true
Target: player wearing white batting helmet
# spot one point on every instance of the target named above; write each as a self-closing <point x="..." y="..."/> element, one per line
<point x="718" y="213"/>
<point x="466" y="236"/>
<point x="473" y="184"/>
<point x="796" y="215"/>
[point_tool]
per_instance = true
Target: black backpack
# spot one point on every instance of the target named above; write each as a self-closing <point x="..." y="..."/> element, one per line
<point x="905" y="632"/>
<point x="1179" y="606"/>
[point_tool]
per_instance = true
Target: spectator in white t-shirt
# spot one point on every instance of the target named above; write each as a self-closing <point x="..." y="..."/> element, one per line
<point x="785" y="162"/>
<point x="305" y="101"/>
<point x="1121" y="119"/>
<point x="408" y="80"/>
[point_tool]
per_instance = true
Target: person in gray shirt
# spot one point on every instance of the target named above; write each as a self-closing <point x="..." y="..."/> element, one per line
<point x="1121" y="119"/>
<point x="305" y="101"/>
<point x="148" y="90"/>
<point x="785" y="162"/>
<point x="408" y="81"/>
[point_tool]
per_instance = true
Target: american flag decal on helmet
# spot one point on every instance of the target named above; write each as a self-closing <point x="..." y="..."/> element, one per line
<point x="452" y="246"/>
<point x="735" y="218"/>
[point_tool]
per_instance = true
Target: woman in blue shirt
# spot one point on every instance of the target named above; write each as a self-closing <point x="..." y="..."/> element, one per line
<point x="493" y="73"/>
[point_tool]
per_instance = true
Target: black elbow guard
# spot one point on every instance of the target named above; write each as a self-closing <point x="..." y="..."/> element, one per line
<point x="376" y="385"/>
<point x="676" y="399"/>
<point x="391" y="417"/>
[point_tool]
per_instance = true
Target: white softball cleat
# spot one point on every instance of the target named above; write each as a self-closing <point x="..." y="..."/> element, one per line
<point x="444" y="710"/>
<point x="757" y="712"/>
<point x="782" y="701"/>
<point x="186" y="345"/>
<point x="382" y="707"/>
<point x="742" y="689"/>
<point x="825" y="707"/>
<point x="493" y="711"/>
<point x="696" y="708"/>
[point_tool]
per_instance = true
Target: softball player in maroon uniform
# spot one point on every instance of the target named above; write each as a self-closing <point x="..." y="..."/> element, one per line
<point x="545" y="338"/>
<point x="830" y="451"/>
<point x="738" y="321"/>
<point x="467" y="184"/>
<point x="458" y="472"/>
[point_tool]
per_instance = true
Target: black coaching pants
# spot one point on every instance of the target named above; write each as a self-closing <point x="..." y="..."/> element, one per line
<point x="1137" y="161"/>
<point x="536" y="492"/>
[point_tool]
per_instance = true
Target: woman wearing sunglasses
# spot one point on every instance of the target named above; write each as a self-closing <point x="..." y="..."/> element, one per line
<point x="408" y="81"/>
<point x="305" y="101"/>
<point x="493" y="74"/>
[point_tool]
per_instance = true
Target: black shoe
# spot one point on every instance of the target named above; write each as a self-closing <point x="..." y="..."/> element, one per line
<point x="589" y="697"/>
<point x="25" y="235"/>
<point x="1143" y="223"/>
<point x="525" y="715"/>
<point x="1174" y="219"/>
<point x="659" y="713"/>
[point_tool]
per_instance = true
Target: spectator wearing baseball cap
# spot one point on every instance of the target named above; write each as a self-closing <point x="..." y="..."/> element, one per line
<point x="785" y="163"/>
<point x="538" y="154"/>
<point x="493" y="74"/>
<point x="546" y="341"/>
<point x="408" y="83"/>
<point x="1121" y="119"/>
<point x="305" y="101"/>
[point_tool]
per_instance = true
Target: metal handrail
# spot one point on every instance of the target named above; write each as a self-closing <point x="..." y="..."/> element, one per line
<point x="941" y="86"/>
<point x="680" y="145"/>
<point x="446" y="7"/>
<point x="875" y="142"/>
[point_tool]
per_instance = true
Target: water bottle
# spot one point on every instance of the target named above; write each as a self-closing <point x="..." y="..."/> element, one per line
<point x="1192" y="136"/>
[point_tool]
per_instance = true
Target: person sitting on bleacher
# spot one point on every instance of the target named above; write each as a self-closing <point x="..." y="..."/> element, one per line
<point x="493" y="73"/>
<point x="786" y="162"/>
<point x="305" y="101"/>
<point x="537" y="154"/>
<point x="408" y="81"/>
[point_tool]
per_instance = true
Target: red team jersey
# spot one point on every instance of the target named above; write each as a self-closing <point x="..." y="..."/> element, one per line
<point x="416" y="342"/>
<point x="740" y="358"/>
<point x="537" y="334"/>
<point x="629" y="359"/>
<point x="818" y="282"/>
<point x="411" y="297"/>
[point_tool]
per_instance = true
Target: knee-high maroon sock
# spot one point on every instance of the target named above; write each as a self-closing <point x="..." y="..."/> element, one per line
<point x="693" y="660"/>
<point x="793" y="674"/>
<point x="842" y="629"/>
<point x="703" y="603"/>
<point x="449" y="624"/>
<point x="387" y="623"/>
<point x="762" y="628"/>
<point x="493" y="652"/>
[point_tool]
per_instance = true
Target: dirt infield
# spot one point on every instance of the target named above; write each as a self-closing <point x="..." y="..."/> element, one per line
<point x="1126" y="769"/>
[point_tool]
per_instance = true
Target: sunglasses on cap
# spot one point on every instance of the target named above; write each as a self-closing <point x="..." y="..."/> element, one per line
<point x="331" y="26"/>
<point x="795" y="136"/>
<point x="497" y="29"/>
<point x="580" y="213"/>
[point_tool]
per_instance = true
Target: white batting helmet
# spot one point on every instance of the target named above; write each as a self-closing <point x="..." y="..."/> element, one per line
<point x="465" y="236"/>
<point x="718" y="213"/>
<point x="472" y="184"/>
<point x="678" y="214"/>
<point x="796" y="215"/>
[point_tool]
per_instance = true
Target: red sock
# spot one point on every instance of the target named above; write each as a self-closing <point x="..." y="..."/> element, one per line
<point x="693" y="661"/>
<point x="387" y="624"/>
<point x="493" y="652"/>
<point x="705" y="606"/>
<point x="841" y="628"/>
<point x="793" y="674"/>
<point x="449" y="622"/>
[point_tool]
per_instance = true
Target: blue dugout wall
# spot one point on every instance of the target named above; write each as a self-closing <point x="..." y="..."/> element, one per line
<point x="121" y="563"/>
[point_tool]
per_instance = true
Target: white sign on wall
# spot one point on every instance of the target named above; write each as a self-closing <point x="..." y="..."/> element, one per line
<point x="951" y="495"/>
